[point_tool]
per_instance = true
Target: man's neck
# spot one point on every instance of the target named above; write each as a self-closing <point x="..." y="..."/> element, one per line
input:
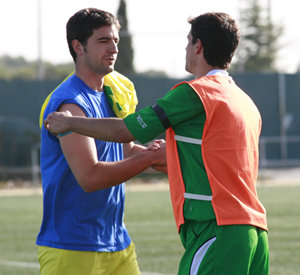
<point x="94" y="81"/>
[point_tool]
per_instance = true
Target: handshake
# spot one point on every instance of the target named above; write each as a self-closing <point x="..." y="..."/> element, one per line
<point x="107" y="129"/>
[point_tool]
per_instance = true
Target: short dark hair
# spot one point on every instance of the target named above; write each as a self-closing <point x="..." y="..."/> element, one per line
<point x="219" y="35"/>
<point x="81" y="25"/>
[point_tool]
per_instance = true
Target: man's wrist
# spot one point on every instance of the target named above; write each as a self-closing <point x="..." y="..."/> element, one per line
<point x="69" y="124"/>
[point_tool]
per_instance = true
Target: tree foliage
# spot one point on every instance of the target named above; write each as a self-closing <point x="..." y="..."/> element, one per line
<point x="124" y="62"/>
<point x="20" y="68"/>
<point x="259" y="44"/>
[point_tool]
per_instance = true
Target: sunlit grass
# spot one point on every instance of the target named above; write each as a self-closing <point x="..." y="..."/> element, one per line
<point x="150" y="222"/>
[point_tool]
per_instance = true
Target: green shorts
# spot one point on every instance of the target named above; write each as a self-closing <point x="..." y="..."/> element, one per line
<point x="70" y="262"/>
<point x="220" y="250"/>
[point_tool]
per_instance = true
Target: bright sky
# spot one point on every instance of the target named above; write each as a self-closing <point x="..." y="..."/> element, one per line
<point x="159" y="29"/>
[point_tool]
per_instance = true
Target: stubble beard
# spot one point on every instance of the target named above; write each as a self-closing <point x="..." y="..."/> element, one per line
<point x="187" y="67"/>
<point x="100" y="69"/>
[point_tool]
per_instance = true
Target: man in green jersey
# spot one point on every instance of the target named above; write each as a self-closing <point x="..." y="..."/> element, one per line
<point x="213" y="129"/>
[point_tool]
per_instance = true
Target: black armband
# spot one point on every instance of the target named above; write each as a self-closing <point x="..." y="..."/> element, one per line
<point x="161" y="115"/>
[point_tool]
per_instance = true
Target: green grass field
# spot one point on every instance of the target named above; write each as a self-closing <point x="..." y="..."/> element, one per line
<point x="150" y="222"/>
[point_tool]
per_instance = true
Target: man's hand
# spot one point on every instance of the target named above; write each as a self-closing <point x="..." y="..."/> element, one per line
<point x="159" y="146"/>
<point x="156" y="145"/>
<point x="57" y="122"/>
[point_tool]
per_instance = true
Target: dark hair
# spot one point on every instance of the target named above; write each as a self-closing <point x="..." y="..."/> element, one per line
<point x="81" y="25"/>
<point x="219" y="35"/>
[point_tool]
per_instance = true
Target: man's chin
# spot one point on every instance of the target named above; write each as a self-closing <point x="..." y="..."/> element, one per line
<point x="108" y="70"/>
<point x="187" y="69"/>
<point x="111" y="69"/>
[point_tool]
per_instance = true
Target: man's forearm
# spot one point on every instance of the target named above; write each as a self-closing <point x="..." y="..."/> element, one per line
<point x="108" y="129"/>
<point x="108" y="174"/>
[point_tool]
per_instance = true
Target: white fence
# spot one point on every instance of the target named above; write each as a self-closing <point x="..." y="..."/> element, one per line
<point x="283" y="142"/>
<point x="283" y="161"/>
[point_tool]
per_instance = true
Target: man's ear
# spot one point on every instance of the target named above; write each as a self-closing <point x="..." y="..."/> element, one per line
<point x="198" y="46"/>
<point x="78" y="48"/>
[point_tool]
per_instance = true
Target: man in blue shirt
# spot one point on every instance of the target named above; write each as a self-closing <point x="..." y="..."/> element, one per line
<point x="83" y="191"/>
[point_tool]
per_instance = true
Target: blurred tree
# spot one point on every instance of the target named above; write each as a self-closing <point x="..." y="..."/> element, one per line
<point x="58" y="71"/>
<point x="11" y="68"/>
<point x="19" y="68"/>
<point x="124" y="62"/>
<point x="259" y="43"/>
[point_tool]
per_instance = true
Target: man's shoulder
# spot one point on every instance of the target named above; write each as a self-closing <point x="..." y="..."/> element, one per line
<point x="68" y="91"/>
<point x="67" y="86"/>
